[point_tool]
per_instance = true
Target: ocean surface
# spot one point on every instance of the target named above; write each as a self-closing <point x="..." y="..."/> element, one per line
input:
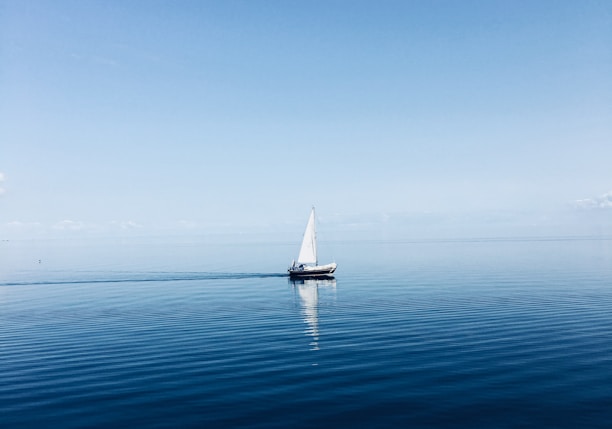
<point x="209" y="332"/>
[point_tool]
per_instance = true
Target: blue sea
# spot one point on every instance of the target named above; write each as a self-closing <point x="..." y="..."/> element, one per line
<point x="208" y="332"/>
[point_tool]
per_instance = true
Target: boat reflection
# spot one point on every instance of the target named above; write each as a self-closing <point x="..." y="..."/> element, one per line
<point x="308" y="291"/>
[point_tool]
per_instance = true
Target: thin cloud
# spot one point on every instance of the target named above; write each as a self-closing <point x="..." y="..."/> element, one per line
<point x="69" y="225"/>
<point x="187" y="224"/>
<point x="126" y="224"/>
<point x="2" y="190"/>
<point x="602" y="202"/>
<point x="104" y="61"/>
<point x="95" y="60"/>
<point x="16" y="224"/>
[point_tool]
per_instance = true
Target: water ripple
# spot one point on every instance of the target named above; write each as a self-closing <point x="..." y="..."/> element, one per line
<point x="252" y="349"/>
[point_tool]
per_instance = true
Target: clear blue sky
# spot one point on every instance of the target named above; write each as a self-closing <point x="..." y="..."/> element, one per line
<point x="242" y="114"/>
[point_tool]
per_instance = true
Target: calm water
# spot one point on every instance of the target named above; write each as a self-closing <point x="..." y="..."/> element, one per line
<point x="205" y="333"/>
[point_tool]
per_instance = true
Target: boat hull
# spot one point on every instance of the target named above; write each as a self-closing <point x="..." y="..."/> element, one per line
<point x="310" y="271"/>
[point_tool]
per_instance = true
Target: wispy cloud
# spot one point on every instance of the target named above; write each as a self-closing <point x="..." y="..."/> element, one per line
<point x="104" y="61"/>
<point x="69" y="225"/>
<point x="2" y="190"/>
<point x="187" y="224"/>
<point x="96" y="60"/>
<point x="19" y="225"/>
<point x="126" y="224"/>
<point x="602" y="202"/>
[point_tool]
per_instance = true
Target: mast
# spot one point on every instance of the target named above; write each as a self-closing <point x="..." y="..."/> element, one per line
<point x="314" y="235"/>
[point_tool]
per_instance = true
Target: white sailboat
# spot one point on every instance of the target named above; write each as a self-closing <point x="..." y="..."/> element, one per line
<point x="308" y="264"/>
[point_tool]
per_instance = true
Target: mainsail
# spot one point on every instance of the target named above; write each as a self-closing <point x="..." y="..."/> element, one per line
<point x="308" y="251"/>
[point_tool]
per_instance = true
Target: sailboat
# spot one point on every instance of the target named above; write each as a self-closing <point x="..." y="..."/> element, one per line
<point x="308" y="264"/>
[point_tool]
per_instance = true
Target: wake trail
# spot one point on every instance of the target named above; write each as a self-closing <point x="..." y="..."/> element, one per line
<point x="151" y="278"/>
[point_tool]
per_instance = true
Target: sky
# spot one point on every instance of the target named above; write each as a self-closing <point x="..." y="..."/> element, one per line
<point x="168" y="116"/>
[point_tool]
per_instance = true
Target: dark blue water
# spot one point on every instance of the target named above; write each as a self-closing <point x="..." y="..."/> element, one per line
<point x="198" y="333"/>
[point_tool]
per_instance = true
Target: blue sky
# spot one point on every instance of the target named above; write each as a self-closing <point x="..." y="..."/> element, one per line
<point x="239" y="115"/>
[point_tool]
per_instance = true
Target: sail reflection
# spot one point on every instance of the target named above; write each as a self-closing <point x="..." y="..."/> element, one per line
<point x="308" y="291"/>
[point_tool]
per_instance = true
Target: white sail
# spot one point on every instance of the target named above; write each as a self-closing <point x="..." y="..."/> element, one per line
<point x="308" y="251"/>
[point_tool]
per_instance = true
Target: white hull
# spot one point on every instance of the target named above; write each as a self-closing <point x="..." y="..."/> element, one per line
<point x="310" y="271"/>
